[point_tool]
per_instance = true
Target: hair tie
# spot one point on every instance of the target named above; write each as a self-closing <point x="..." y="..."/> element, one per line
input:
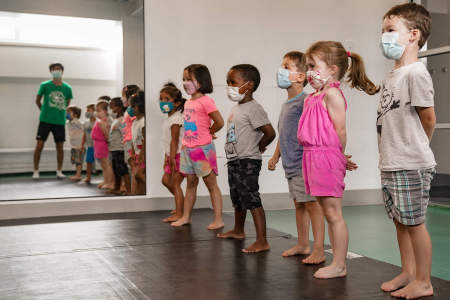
<point x="349" y="54"/>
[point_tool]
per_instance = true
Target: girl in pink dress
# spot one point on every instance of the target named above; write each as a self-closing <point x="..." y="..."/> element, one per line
<point x="100" y="134"/>
<point x="322" y="133"/>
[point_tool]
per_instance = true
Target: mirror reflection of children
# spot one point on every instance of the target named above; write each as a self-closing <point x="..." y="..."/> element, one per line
<point x="172" y="104"/>
<point x="137" y="102"/>
<point x="249" y="133"/>
<point x="198" y="153"/>
<point x="323" y="135"/>
<point x="119" y="166"/>
<point x="100" y="134"/>
<point x="75" y="131"/>
<point x="87" y="142"/>
<point x="292" y="77"/>
<point x="128" y="118"/>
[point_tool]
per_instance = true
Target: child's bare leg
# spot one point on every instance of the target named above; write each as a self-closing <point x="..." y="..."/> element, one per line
<point x="189" y="200"/>
<point x="77" y="175"/>
<point x="332" y="209"/>
<point x="173" y="182"/>
<point x="88" y="172"/>
<point x="140" y="181"/>
<point x="421" y="244"/>
<point x="302" y="221"/>
<point x="408" y="272"/>
<point x="132" y="165"/>
<point x="126" y="180"/>
<point x="239" y="222"/>
<point x="216" y="200"/>
<point x="261" y="244"/>
<point x="318" y="227"/>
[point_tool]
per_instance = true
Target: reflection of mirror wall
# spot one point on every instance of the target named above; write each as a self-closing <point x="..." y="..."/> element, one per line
<point x="100" y="44"/>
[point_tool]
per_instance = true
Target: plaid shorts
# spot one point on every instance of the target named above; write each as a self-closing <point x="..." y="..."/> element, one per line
<point x="243" y="175"/>
<point x="76" y="156"/>
<point x="406" y="194"/>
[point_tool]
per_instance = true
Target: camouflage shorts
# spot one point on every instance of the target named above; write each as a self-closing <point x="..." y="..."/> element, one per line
<point x="243" y="175"/>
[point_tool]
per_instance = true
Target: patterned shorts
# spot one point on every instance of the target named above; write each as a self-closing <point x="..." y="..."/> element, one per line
<point x="243" y="175"/>
<point x="127" y="148"/>
<point x="200" y="160"/>
<point x="167" y="164"/>
<point x="76" y="156"/>
<point x="406" y="194"/>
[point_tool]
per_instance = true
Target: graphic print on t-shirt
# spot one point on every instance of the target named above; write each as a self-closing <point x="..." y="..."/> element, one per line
<point x="230" y="146"/>
<point x="57" y="100"/>
<point x="190" y="127"/>
<point x="387" y="104"/>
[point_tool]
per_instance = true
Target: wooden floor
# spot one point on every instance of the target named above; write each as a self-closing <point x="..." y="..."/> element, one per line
<point x="136" y="256"/>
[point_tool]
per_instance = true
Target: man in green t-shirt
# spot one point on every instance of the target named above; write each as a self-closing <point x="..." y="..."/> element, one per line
<point x="57" y="95"/>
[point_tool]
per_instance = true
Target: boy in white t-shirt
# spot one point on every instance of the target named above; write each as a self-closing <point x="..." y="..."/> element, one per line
<point x="75" y="131"/>
<point x="172" y="104"/>
<point x="405" y="125"/>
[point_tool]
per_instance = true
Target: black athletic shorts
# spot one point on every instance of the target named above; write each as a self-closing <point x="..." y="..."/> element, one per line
<point x="58" y="131"/>
<point x="243" y="175"/>
<point x="119" y="166"/>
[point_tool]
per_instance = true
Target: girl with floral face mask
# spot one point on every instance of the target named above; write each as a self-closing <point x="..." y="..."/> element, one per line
<point x="322" y="133"/>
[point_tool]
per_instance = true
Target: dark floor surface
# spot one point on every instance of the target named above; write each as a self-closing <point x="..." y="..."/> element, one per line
<point x="136" y="256"/>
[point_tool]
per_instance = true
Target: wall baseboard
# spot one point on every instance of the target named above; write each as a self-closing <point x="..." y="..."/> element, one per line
<point x="85" y="206"/>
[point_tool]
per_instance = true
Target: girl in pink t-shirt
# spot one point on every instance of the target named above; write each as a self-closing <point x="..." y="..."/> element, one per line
<point x="198" y="154"/>
<point x="128" y="118"/>
<point x="322" y="133"/>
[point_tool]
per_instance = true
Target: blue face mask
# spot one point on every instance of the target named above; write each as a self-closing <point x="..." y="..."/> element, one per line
<point x="68" y="117"/>
<point x="166" y="107"/>
<point x="389" y="46"/>
<point x="283" y="80"/>
<point x="130" y="111"/>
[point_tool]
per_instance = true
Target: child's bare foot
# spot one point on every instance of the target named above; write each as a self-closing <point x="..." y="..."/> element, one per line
<point x="171" y="218"/>
<point x="331" y="272"/>
<point x="75" y="178"/>
<point x="181" y="222"/>
<point x="216" y="225"/>
<point x="317" y="257"/>
<point x="107" y="187"/>
<point x="87" y="180"/>
<point x="257" y="247"/>
<point x="398" y="282"/>
<point x="101" y="184"/>
<point x="415" y="289"/>
<point x="173" y="211"/>
<point x="232" y="234"/>
<point x="296" y="250"/>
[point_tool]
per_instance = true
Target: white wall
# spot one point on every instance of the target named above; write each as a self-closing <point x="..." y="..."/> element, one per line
<point x="220" y="34"/>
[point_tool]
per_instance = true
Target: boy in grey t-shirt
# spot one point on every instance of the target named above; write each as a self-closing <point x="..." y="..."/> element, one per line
<point x="249" y="133"/>
<point x="405" y="125"/>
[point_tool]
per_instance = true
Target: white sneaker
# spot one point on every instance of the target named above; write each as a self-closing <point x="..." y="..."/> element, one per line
<point x="60" y="174"/>
<point x="35" y="175"/>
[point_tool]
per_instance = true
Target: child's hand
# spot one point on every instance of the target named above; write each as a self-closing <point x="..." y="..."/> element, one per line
<point x="213" y="134"/>
<point x="351" y="166"/>
<point x="272" y="163"/>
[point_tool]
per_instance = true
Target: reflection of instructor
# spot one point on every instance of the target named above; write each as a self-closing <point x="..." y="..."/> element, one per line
<point x="57" y="95"/>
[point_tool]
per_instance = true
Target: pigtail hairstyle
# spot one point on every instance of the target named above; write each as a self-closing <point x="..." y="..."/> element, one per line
<point x="357" y="77"/>
<point x="130" y="90"/>
<point x="174" y="93"/>
<point x="333" y="53"/>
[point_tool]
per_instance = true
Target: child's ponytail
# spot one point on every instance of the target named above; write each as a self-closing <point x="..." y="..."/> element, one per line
<point x="357" y="77"/>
